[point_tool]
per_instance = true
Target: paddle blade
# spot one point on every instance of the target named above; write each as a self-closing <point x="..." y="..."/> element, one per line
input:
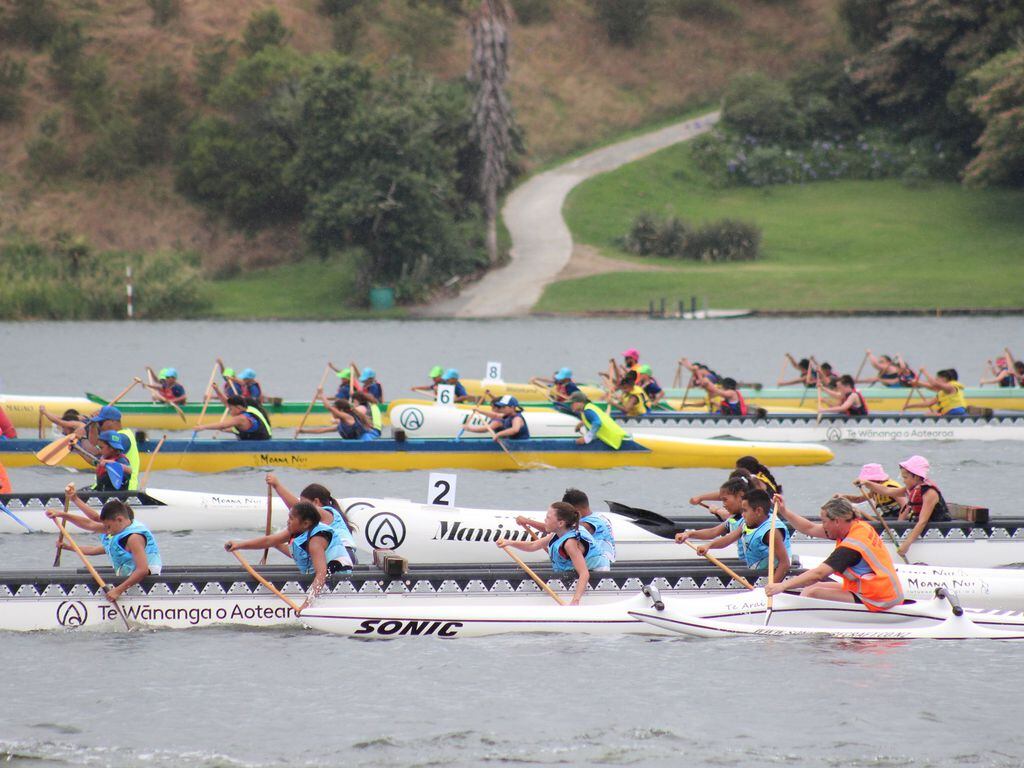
<point x="116" y="474"/>
<point x="55" y="452"/>
<point x="18" y="520"/>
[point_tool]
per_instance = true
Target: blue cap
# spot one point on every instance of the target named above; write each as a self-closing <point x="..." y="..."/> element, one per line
<point x="248" y="373"/>
<point x="106" y="413"/>
<point x="367" y="374"/>
<point x="451" y="373"/>
<point x="115" y="440"/>
<point x="169" y="373"/>
<point x="563" y="374"/>
<point x="507" y="401"/>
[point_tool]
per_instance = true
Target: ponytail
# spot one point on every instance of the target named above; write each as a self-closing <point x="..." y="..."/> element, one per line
<point x="755" y="467"/>
<point x="567" y="513"/>
<point x="317" y="492"/>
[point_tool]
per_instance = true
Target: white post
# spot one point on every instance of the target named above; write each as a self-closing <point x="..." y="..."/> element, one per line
<point x="128" y="288"/>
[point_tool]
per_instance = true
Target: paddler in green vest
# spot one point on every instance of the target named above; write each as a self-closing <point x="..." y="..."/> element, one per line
<point x="109" y="419"/>
<point x="595" y="423"/>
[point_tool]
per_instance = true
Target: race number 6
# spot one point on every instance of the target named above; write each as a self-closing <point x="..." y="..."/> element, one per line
<point x="446" y="394"/>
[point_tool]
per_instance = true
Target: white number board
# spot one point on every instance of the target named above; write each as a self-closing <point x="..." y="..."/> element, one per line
<point x="441" y="490"/>
<point x="493" y="372"/>
<point x="446" y="394"/>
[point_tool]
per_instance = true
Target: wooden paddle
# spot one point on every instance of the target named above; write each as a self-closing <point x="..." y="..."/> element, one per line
<point x="885" y="525"/>
<point x="270" y="512"/>
<point x="252" y="572"/>
<point x="208" y="392"/>
<point x="99" y="579"/>
<point x="60" y="536"/>
<point x="40" y="425"/>
<point x="323" y="380"/>
<point x="135" y="382"/>
<point x="54" y="453"/>
<point x="720" y="564"/>
<point x="862" y="364"/>
<point x="812" y="366"/>
<point x="771" y="557"/>
<point x="149" y="464"/>
<point x="913" y="389"/>
<point x="529" y="572"/>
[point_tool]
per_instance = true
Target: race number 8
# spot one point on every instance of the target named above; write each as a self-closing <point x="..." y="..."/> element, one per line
<point x="493" y="372"/>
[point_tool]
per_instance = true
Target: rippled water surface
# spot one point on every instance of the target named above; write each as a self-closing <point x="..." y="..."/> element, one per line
<point x="224" y="697"/>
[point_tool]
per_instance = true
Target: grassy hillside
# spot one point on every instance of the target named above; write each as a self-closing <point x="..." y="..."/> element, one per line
<point x="570" y="89"/>
<point x="834" y="245"/>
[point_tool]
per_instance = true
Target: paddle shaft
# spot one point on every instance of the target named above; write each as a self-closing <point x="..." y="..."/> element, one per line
<point x="323" y="379"/>
<point x="860" y="370"/>
<point x="270" y="511"/>
<point x="149" y="464"/>
<point x="136" y="381"/>
<point x="208" y="392"/>
<point x="93" y="571"/>
<point x="60" y="536"/>
<point x="252" y="572"/>
<point x="771" y="555"/>
<point x="885" y="525"/>
<point x="529" y="572"/>
<point x="721" y="565"/>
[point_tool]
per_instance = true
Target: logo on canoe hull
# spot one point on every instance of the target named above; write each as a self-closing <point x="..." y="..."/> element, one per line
<point x="72" y="613"/>
<point x="385" y="531"/>
<point x="411" y="419"/>
<point x="393" y="627"/>
<point x="834" y="434"/>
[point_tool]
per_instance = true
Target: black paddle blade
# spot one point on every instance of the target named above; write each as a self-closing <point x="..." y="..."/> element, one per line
<point x="652" y="521"/>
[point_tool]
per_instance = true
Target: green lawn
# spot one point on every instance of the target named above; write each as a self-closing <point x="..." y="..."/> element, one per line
<point x="831" y="245"/>
<point x="308" y="289"/>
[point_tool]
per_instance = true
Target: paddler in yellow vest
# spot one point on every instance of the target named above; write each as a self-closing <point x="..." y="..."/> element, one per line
<point x="949" y="392"/>
<point x="108" y="419"/>
<point x="248" y="422"/>
<point x="887" y="506"/>
<point x="631" y="397"/>
<point x="595" y="423"/>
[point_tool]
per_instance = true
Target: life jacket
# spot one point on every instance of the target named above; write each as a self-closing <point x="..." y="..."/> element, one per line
<point x="376" y="390"/>
<point x="132" y="454"/>
<point x="522" y="434"/>
<point x="915" y="500"/>
<point x="652" y="388"/>
<point x="341" y="528"/>
<point x="344" y="390"/>
<point x="593" y="554"/>
<point x="609" y="433"/>
<point x="336" y="551"/>
<point x="7" y="426"/>
<point x="739" y="408"/>
<point x="564" y="389"/>
<point x="602" y="534"/>
<point x="755" y="551"/>
<point x="121" y="558"/>
<point x="887" y="505"/>
<point x="354" y="431"/>
<point x="734" y="522"/>
<point x="259" y="428"/>
<point x="5" y="481"/>
<point x="859" y="410"/>
<point x="234" y="389"/>
<point x="642" y="403"/>
<point x="874" y="578"/>
<point x="106" y="479"/>
<point x="173" y="391"/>
<point x="252" y="391"/>
<point x="949" y="401"/>
<point x="375" y="417"/>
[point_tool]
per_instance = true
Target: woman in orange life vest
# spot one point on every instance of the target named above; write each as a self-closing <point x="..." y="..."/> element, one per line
<point x="860" y="558"/>
<point x="924" y="502"/>
<point x="732" y="402"/>
<point x="848" y="399"/>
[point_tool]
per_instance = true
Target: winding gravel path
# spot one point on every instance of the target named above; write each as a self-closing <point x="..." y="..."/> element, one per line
<point x="541" y="242"/>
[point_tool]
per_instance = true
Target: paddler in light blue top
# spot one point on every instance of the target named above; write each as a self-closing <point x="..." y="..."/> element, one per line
<point x="757" y="532"/>
<point x="595" y="423"/>
<point x="569" y="546"/>
<point x="316" y="548"/>
<point x="130" y="545"/>
<point x="330" y="511"/>
<point x="597" y="525"/>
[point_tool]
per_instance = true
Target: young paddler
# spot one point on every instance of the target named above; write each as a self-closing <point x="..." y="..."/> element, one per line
<point x="369" y="385"/>
<point x="451" y="376"/>
<point x="923" y="499"/>
<point x="949" y="392"/>
<point x="129" y="544"/>
<point x="560" y="383"/>
<point x="846" y="399"/>
<point x="631" y="397"/>
<point x="727" y="394"/>
<point x="113" y="470"/>
<point x="808" y="372"/>
<point x="756" y="533"/>
<point x="885" y="503"/>
<point x="316" y="548"/>
<point x="1002" y="374"/>
<point x="597" y="525"/>
<point x="351" y="423"/>
<point x="892" y="372"/>
<point x="330" y="511"/>
<point x="595" y="423"/>
<point x="507" y="420"/>
<point x="731" y="494"/>
<point x="247" y="421"/>
<point x="169" y="390"/>
<point x="570" y="547"/>
<point x="436" y="375"/>
<point x="651" y="387"/>
<point x="860" y="558"/>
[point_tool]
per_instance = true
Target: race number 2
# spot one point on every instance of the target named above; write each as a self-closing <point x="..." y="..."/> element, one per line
<point x="493" y="372"/>
<point x="441" y="490"/>
<point x="446" y="394"/>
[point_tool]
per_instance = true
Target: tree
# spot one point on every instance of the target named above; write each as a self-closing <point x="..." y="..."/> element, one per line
<point x="1000" y="106"/>
<point x="492" y="112"/>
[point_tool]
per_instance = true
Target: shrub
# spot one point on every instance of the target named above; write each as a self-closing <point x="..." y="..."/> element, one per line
<point x="642" y="238"/>
<point x="342" y="7"/>
<point x="32" y="22"/>
<point x="48" y="156"/>
<point x="704" y="10"/>
<point x="756" y="105"/>
<point x="157" y="110"/>
<point x="422" y="29"/>
<point x="624" y="21"/>
<point x="164" y="11"/>
<point x="12" y="78"/>
<point x="67" y="50"/>
<point x="111" y="154"/>
<point x="211" y="59"/>
<point x="725" y="240"/>
<point x="533" y="11"/>
<point x="264" y="28"/>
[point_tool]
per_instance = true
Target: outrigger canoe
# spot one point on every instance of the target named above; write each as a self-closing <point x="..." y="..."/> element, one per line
<point x="429" y="420"/>
<point x="205" y="455"/>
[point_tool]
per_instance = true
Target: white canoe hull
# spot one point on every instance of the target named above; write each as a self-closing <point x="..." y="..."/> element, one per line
<point x="420" y="419"/>
<point x="797" y="616"/>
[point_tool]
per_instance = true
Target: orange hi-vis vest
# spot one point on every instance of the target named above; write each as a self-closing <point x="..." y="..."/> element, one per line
<point x="874" y="578"/>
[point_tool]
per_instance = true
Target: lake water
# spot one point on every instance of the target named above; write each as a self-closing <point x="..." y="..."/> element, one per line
<point x="260" y="698"/>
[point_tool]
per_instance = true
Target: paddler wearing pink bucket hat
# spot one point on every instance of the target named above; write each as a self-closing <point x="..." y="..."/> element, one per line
<point x="886" y="504"/>
<point x="923" y="501"/>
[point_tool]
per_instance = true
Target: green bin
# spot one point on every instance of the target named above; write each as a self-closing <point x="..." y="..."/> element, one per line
<point x="381" y="298"/>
